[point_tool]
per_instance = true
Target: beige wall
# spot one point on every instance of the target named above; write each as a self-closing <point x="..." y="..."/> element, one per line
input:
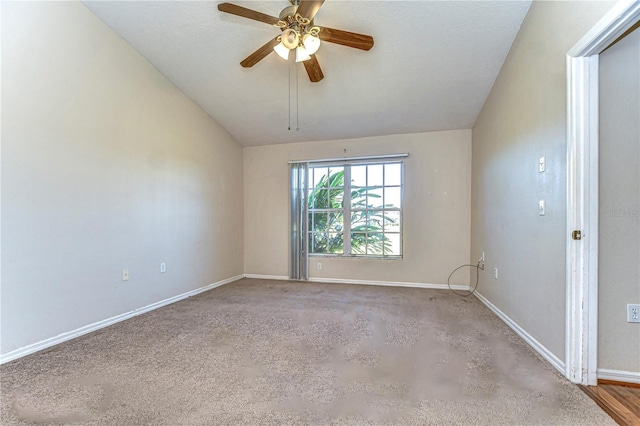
<point x="105" y="166"/>
<point x="436" y="207"/>
<point x="523" y="118"/>
<point x="619" y="236"/>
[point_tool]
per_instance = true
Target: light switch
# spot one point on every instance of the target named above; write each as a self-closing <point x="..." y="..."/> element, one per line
<point x="542" y="164"/>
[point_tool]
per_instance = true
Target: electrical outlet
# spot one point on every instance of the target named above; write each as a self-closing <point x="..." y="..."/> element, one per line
<point x="125" y="275"/>
<point x="495" y="273"/>
<point x="481" y="262"/>
<point x="633" y="313"/>
<point x="163" y="267"/>
<point x="542" y="164"/>
<point x="319" y="266"/>
<point x="541" y="208"/>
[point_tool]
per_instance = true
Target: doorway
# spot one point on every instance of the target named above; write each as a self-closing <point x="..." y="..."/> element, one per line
<point x="619" y="207"/>
<point x="583" y="189"/>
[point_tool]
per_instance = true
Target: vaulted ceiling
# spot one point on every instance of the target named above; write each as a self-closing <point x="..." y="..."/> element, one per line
<point x="431" y="68"/>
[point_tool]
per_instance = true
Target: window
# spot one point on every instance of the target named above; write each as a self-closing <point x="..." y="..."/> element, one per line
<point x="360" y="201"/>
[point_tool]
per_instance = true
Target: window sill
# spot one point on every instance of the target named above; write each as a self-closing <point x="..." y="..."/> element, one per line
<point x="362" y="257"/>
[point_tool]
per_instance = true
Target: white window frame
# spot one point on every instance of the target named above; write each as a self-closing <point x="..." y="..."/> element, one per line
<point x="346" y="210"/>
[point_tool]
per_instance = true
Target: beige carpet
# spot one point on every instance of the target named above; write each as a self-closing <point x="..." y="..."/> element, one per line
<point x="276" y="352"/>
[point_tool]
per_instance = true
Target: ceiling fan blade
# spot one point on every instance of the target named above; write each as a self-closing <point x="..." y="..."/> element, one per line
<point x="313" y="69"/>
<point x="247" y="13"/>
<point x="346" y="38"/>
<point x="259" y="54"/>
<point x="309" y="8"/>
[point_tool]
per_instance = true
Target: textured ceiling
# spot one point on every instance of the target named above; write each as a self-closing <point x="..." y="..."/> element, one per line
<point x="431" y="68"/>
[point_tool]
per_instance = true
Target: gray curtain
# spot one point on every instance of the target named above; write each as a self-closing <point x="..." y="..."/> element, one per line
<point x="298" y="259"/>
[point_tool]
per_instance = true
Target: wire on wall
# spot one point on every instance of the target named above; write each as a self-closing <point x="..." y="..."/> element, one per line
<point x="469" y="293"/>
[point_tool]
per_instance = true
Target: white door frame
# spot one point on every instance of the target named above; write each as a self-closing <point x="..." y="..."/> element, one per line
<point x="581" y="340"/>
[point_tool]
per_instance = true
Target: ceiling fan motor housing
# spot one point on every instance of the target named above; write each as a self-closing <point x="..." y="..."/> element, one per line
<point x="288" y="12"/>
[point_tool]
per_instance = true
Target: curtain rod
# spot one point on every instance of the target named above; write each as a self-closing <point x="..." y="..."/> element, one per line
<point x="333" y="160"/>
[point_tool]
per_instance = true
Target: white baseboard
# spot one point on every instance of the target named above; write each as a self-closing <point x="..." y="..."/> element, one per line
<point x="38" y="346"/>
<point x="267" y="277"/>
<point x="363" y="282"/>
<point x="539" y="347"/>
<point x="619" y="375"/>
<point x="388" y="283"/>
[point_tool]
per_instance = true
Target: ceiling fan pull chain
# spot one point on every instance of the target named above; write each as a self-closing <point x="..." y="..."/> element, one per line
<point x="297" y="100"/>
<point x="289" y="116"/>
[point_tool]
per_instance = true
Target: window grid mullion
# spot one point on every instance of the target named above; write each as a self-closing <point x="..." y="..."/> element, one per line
<point x="383" y="210"/>
<point x="346" y="212"/>
<point x="366" y="205"/>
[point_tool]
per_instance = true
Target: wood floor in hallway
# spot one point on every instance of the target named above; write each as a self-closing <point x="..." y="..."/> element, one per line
<point x="620" y="400"/>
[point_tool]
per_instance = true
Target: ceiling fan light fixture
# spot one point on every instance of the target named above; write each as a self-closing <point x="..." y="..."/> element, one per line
<point x="290" y="38"/>
<point x="311" y="43"/>
<point x="282" y="51"/>
<point x="301" y="54"/>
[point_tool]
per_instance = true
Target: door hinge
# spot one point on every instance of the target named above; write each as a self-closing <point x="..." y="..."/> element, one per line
<point x="576" y="235"/>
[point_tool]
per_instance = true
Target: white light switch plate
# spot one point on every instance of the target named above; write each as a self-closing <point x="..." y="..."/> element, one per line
<point x="633" y="313"/>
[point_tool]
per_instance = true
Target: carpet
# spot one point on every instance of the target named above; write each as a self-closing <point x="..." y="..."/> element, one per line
<point x="278" y="352"/>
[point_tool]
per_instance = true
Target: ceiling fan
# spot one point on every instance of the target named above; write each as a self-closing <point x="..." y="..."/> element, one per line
<point x="299" y="34"/>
